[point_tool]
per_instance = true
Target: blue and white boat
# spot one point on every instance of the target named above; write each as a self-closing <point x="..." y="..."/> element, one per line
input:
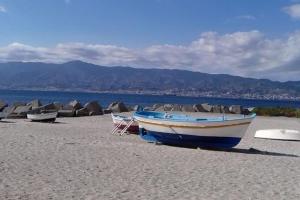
<point x="184" y="130"/>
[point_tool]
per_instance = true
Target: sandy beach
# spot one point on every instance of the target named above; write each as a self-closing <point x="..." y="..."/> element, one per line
<point x="78" y="158"/>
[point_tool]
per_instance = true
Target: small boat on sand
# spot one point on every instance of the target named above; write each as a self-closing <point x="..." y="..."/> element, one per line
<point x="42" y="117"/>
<point x="1" y="115"/>
<point x="120" y="122"/>
<point x="278" y="134"/>
<point x="184" y="130"/>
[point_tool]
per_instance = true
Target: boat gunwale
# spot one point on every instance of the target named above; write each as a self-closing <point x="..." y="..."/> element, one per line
<point x="208" y="120"/>
<point x="120" y="117"/>
<point x="196" y="126"/>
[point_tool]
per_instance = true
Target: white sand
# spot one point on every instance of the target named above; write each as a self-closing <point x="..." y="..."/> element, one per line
<point x="77" y="158"/>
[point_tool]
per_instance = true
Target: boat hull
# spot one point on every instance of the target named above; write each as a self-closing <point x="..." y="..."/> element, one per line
<point x="278" y="134"/>
<point x="215" y="133"/>
<point x="131" y="129"/>
<point x="43" y="117"/>
<point x="189" y="140"/>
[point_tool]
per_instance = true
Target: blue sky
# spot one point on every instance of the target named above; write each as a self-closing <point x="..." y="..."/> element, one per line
<point x="181" y="34"/>
<point x="137" y="23"/>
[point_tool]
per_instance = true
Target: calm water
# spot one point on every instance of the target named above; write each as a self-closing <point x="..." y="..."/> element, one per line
<point x="10" y="96"/>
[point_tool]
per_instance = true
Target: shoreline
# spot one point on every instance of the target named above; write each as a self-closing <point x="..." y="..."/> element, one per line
<point x="151" y="93"/>
<point x="74" y="108"/>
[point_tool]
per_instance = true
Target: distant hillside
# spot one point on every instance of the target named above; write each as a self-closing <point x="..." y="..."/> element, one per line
<point x="80" y="76"/>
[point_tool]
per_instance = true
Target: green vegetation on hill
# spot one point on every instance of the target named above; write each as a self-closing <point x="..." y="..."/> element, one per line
<point x="277" y="111"/>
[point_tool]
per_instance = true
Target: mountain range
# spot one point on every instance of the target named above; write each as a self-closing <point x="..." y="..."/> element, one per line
<point x="81" y="76"/>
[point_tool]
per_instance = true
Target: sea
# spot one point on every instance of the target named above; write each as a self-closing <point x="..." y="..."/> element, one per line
<point x="10" y="96"/>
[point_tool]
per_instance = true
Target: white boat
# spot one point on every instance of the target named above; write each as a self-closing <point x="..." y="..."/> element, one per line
<point x="174" y="129"/>
<point x="43" y="117"/>
<point x="278" y="134"/>
<point x="1" y="115"/>
<point x="120" y="122"/>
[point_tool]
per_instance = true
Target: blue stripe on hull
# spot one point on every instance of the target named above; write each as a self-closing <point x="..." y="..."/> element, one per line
<point x="189" y="140"/>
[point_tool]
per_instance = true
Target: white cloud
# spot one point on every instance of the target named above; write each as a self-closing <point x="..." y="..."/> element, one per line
<point x="67" y="1"/>
<point x="241" y="53"/>
<point x="2" y="9"/>
<point x="246" y="17"/>
<point x="293" y="11"/>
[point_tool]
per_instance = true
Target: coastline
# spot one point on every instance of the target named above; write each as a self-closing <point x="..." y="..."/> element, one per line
<point x="157" y="93"/>
<point x="10" y="96"/>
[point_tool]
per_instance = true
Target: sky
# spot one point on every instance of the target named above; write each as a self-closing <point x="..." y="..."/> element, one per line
<point x="249" y="38"/>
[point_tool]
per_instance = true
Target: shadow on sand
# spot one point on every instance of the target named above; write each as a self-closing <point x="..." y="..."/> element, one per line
<point x="45" y="122"/>
<point x="8" y="122"/>
<point x="254" y="151"/>
<point x="238" y="150"/>
<point x="50" y="122"/>
<point x="11" y="122"/>
<point x="58" y="123"/>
